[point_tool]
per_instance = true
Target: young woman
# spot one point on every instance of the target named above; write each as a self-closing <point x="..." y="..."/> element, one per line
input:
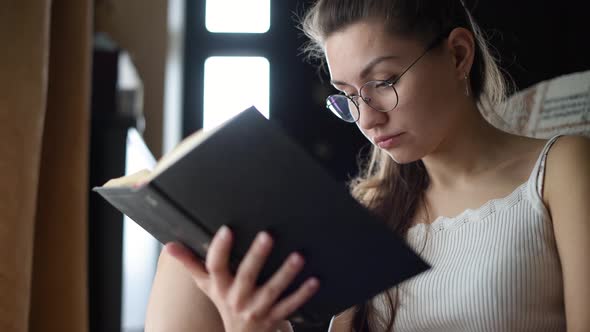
<point x="502" y="219"/>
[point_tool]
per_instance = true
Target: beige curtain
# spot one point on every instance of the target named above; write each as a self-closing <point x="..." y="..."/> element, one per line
<point x="44" y="137"/>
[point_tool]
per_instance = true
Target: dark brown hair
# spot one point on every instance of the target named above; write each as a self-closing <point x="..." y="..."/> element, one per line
<point x="395" y="191"/>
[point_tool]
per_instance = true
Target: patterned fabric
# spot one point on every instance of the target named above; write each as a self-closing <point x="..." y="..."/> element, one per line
<point x="557" y="106"/>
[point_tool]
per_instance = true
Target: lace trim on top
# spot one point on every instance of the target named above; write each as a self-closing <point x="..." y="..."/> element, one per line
<point x="494" y="205"/>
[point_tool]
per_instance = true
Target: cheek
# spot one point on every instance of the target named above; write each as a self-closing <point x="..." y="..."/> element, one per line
<point x="428" y="104"/>
<point x="428" y="110"/>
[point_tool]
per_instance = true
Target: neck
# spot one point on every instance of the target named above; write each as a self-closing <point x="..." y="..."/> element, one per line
<point x="470" y="149"/>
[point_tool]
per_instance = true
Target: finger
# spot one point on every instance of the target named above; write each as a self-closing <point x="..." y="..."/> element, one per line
<point x="181" y="253"/>
<point x="276" y="285"/>
<point x="249" y="268"/>
<point x="217" y="261"/>
<point x="285" y="326"/>
<point x="288" y="305"/>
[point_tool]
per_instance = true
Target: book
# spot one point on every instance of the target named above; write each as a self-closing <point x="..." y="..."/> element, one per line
<point x="250" y="175"/>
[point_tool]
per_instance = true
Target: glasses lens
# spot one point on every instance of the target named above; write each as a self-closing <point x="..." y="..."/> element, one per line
<point x="342" y="107"/>
<point x="380" y="95"/>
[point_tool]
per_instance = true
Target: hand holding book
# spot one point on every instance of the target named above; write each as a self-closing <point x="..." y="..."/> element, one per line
<point x="243" y="305"/>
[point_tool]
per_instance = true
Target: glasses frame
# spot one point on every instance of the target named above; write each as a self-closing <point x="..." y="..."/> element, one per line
<point x="390" y="82"/>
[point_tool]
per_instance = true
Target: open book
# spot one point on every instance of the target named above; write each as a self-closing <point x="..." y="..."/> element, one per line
<point x="249" y="175"/>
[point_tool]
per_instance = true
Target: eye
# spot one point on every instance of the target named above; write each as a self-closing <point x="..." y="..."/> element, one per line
<point x="383" y="84"/>
<point x="350" y="95"/>
<point x="354" y="98"/>
<point x="393" y="79"/>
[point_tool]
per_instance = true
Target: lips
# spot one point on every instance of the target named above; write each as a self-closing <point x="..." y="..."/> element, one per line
<point x="380" y="139"/>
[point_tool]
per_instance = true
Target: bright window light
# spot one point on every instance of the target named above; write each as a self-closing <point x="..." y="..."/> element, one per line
<point x="140" y="249"/>
<point x="241" y="16"/>
<point x="233" y="84"/>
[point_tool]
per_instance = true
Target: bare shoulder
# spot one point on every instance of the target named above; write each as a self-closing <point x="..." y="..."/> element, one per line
<point x="568" y="153"/>
<point x="568" y="163"/>
<point x="527" y="146"/>
<point x="569" y="146"/>
<point x="566" y="194"/>
<point x="523" y="153"/>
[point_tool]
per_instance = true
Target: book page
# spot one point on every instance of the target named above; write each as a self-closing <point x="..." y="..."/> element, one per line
<point x="166" y="161"/>
<point x="180" y="150"/>
<point x="129" y="180"/>
<point x="183" y="148"/>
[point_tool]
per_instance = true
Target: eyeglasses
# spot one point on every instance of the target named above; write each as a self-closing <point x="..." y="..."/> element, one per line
<point x="380" y="95"/>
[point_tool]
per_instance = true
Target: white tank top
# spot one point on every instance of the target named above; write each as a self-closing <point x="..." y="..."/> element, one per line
<point x="495" y="268"/>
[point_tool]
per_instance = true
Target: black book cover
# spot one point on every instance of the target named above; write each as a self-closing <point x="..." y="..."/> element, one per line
<point x="249" y="175"/>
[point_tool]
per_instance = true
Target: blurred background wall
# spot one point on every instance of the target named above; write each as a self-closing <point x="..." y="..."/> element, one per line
<point x="140" y="28"/>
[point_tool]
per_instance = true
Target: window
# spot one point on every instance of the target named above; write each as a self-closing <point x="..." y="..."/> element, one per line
<point x="233" y="84"/>
<point x="238" y="16"/>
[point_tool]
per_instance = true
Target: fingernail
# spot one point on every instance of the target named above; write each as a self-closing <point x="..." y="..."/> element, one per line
<point x="224" y="232"/>
<point x="313" y="283"/>
<point x="295" y="259"/>
<point x="263" y="237"/>
<point x="172" y="248"/>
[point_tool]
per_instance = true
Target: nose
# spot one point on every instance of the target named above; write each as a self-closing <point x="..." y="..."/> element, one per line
<point x="369" y="117"/>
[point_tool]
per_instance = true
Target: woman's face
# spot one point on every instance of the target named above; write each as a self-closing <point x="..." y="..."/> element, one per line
<point x="429" y="91"/>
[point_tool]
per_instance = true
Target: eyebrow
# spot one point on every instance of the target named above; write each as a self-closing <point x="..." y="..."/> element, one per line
<point x="367" y="69"/>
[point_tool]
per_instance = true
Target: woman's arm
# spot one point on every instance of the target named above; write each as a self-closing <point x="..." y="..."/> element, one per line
<point x="177" y="304"/>
<point x="567" y="195"/>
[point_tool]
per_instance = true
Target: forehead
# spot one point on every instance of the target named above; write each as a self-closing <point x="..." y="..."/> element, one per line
<point x="348" y="50"/>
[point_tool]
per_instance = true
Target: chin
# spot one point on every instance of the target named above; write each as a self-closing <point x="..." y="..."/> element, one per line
<point x="400" y="157"/>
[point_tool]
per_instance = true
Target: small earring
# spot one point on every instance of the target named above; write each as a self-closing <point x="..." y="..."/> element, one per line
<point x="466" y="85"/>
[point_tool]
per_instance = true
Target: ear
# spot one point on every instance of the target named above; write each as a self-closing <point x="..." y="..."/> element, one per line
<point x="461" y="44"/>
